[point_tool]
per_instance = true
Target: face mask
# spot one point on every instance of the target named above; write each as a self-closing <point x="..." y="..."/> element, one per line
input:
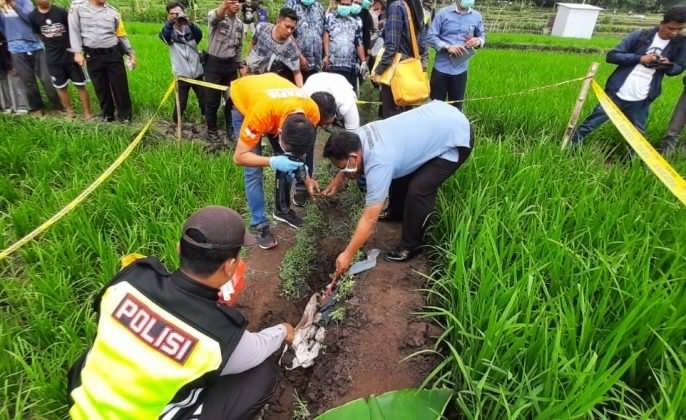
<point x="229" y="291"/>
<point x="366" y="4"/>
<point x="466" y="4"/>
<point x="355" y="9"/>
<point x="343" y="10"/>
<point x="307" y="2"/>
<point x="348" y="170"/>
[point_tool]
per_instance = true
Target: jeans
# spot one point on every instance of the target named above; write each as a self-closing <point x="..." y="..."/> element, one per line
<point x="253" y="179"/>
<point x="636" y="112"/>
<point x="676" y="125"/>
<point x="452" y="86"/>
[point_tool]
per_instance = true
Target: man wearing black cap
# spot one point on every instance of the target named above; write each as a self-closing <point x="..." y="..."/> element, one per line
<point x="167" y="347"/>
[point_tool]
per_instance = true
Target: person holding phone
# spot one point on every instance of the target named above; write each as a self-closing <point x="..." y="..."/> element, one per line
<point x="455" y="33"/>
<point x="643" y="59"/>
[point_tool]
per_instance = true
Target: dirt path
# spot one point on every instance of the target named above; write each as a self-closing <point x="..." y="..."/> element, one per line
<point x="365" y="352"/>
<point x="365" y="355"/>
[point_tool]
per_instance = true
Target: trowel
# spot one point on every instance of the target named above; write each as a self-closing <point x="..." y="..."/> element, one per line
<point x="329" y="296"/>
<point x="367" y="264"/>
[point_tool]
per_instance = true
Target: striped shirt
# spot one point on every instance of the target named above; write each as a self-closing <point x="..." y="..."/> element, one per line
<point x="226" y="36"/>
<point x="96" y="27"/>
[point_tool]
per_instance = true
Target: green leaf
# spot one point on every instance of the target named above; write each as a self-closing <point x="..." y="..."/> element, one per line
<point x="406" y="404"/>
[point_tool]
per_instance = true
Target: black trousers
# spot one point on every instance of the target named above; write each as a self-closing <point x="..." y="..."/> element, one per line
<point x="414" y="196"/>
<point x="388" y="106"/>
<point x="349" y="75"/>
<point x="108" y="74"/>
<point x="222" y="72"/>
<point x="184" y="90"/>
<point x="231" y="397"/>
<point x="282" y="185"/>
<point x="447" y="85"/>
<point x="242" y="396"/>
<point x="30" y="66"/>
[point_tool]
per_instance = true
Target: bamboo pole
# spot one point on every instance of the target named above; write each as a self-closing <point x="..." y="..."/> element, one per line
<point x="178" y="114"/>
<point x="579" y="105"/>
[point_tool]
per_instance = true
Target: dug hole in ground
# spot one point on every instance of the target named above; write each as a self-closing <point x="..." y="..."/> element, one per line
<point x="365" y="353"/>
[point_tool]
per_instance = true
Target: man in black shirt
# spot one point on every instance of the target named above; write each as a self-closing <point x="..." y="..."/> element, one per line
<point x="51" y="23"/>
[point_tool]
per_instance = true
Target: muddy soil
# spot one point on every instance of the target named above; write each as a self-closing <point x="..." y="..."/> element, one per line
<point x="366" y="352"/>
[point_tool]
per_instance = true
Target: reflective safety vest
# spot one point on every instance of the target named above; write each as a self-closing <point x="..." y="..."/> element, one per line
<point x="161" y="336"/>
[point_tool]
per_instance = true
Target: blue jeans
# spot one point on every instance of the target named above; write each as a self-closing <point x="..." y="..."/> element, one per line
<point x="253" y="179"/>
<point x="636" y="112"/>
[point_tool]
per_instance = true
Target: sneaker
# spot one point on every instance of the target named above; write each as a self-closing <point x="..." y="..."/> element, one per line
<point x="388" y="216"/>
<point x="300" y="196"/>
<point x="213" y="137"/>
<point x="290" y="218"/>
<point x="402" y="254"/>
<point x="265" y="239"/>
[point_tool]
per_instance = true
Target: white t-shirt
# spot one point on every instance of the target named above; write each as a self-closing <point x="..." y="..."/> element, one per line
<point x="637" y="86"/>
<point x="342" y="91"/>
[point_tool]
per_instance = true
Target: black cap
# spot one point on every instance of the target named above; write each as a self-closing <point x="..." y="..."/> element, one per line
<point x="216" y="228"/>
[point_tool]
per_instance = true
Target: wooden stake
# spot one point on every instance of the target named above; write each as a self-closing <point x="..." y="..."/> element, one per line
<point x="579" y="105"/>
<point x="178" y="114"/>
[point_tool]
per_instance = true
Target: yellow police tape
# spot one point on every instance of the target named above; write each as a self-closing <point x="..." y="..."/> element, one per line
<point x="507" y="95"/>
<point x="204" y="84"/>
<point x="645" y="150"/>
<point x="92" y="187"/>
<point x="361" y="102"/>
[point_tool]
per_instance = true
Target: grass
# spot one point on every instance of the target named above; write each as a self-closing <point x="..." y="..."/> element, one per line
<point x="536" y="41"/>
<point x="46" y="319"/>
<point x="561" y="287"/>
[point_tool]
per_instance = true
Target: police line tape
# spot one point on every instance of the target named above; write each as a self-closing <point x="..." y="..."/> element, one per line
<point x="204" y="84"/>
<point x="361" y="102"/>
<point x="93" y="186"/>
<point x="660" y="167"/>
<point x="506" y="95"/>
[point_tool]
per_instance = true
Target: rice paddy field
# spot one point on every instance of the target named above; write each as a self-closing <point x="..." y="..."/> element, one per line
<point x="559" y="278"/>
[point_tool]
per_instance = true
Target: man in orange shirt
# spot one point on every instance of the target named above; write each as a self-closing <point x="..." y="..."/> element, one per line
<point x="270" y="105"/>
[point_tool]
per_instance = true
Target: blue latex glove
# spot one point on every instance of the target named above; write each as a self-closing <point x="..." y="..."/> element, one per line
<point x="284" y="164"/>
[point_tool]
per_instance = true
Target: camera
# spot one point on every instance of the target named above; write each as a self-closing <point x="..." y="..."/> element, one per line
<point x="181" y="18"/>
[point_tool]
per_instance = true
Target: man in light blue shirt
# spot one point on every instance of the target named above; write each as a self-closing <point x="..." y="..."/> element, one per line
<point x="455" y="33"/>
<point x="404" y="158"/>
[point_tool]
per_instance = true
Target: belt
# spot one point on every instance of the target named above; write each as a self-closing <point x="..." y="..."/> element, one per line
<point x="228" y="60"/>
<point x="100" y="51"/>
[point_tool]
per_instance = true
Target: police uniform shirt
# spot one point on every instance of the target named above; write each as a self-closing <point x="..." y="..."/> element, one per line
<point x="226" y="36"/>
<point x="96" y="27"/>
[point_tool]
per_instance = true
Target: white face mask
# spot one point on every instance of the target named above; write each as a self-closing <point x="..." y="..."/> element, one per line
<point x="348" y="170"/>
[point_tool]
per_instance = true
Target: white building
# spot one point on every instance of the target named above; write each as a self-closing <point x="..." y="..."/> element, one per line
<point x="575" y="20"/>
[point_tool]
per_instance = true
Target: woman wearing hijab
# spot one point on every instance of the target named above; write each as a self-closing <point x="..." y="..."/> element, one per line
<point x="397" y="38"/>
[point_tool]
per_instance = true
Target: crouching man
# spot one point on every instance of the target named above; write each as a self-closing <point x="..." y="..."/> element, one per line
<point x="166" y="347"/>
<point x="269" y="105"/>
<point x="405" y="158"/>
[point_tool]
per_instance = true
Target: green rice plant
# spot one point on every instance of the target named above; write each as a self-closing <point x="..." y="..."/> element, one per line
<point x="47" y="288"/>
<point x="300" y="410"/>
<point x="301" y="259"/>
<point x="559" y="294"/>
